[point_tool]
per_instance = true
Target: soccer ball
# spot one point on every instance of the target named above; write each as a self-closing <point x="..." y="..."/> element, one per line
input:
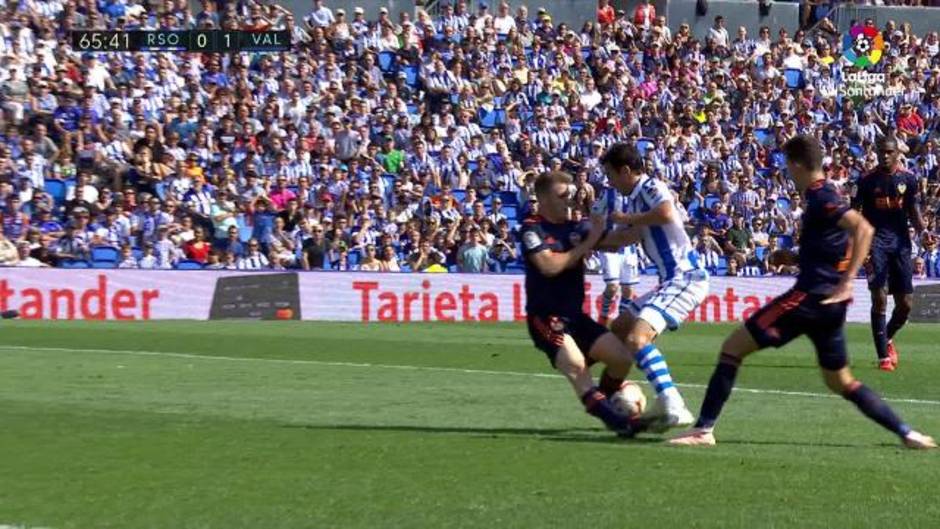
<point x="862" y="44"/>
<point x="629" y="399"/>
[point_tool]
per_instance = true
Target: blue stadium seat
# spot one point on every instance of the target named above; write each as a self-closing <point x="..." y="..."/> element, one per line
<point x="856" y="150"/>
<point x="105" y="254"/>
<point x="509" y="198"/>
<point x="784" y="241"/>
<point x="188" y="264"/>
<point x="764" y="136"/>
<point x="644" y="144"/>
<point x="492" y="119"/>
<point x="137" y="253"/>
<point x="353" y="258"/>
<point x="783" y="203"/>
<point x="411" y="75"/>
<point x="693" y="208"/>
<point x="74" y="263"/>
<point x="511" y="212"/>
<point x="459" y="194"/>
<point x="722" y="267"/>
<point x="387" y="62"/>
<point x="515" y="268"/>
<point x="759" y="252"/>
<point x="472" y="165"/>
<point x="710" y="200"/>
<point x="794" y="77"/>
<point x="56" y="189"/>
<point x="103" y="264"/>
<point x="412" y="108"/>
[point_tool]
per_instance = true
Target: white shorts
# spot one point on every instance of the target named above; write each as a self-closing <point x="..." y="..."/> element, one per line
<point x="670" y="303"/>
<point x="619" y="267"/>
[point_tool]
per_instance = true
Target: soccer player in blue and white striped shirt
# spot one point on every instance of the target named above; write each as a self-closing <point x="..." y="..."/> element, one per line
<point x="655" y="222"/>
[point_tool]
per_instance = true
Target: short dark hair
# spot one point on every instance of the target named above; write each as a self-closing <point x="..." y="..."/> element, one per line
<point x="804" y="150"/>
<point x="545" y="181"/>
<point x="886" y="143"/>
<point x="623" y="154"/>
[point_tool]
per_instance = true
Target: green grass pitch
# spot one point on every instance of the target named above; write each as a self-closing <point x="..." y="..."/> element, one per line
<point x="282" y="425"/>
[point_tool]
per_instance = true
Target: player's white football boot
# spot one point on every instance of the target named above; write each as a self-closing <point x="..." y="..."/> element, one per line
<point x="919" y="441"/>
<point x="663" y="416"/>
<point x="694" y="437"/>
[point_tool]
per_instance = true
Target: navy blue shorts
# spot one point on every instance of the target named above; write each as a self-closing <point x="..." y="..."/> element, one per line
<point x="891" y="268"/>
<point x="548" y="333"/>
<point x="796" y="313"/>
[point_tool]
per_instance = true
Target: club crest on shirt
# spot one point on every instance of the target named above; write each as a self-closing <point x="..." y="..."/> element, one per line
<point x="531" y="240"/>
<point x="902" y="187"/>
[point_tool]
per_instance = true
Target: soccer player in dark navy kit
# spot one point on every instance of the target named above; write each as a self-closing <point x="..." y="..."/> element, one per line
<point x="833" y="245"/>
<point x="554" y="249"/>
<point x="888" y="198"/>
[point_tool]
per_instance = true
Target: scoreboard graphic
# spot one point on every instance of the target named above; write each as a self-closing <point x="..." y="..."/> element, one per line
<point x="195" y="41"/>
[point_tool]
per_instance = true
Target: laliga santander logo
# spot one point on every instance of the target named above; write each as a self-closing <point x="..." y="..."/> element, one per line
<point x="863" y="46"/>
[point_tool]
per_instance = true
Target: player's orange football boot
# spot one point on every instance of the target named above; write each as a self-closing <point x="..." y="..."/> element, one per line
<point x="893" y="353"/>
<point x="885" y="364"/>
<point x="693" y="437"/>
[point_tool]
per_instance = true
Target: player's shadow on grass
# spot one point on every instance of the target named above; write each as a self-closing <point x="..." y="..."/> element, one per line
<point x="589" y="435"/>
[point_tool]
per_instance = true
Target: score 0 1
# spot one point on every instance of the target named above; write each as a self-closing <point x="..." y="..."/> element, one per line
<point x="213" y="41"/>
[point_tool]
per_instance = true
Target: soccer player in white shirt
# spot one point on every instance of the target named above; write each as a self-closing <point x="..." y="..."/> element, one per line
<point x="656" y="223"/>
<point x="621" y="266"/>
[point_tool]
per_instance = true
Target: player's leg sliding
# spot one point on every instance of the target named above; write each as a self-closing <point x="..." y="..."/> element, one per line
<point x="571" y="363"/>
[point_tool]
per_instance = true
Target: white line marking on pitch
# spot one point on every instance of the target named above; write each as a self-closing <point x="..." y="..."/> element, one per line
<point x="189" y="356"/>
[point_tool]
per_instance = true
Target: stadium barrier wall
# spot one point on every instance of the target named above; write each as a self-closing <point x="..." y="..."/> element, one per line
<point x="345" y="296"/>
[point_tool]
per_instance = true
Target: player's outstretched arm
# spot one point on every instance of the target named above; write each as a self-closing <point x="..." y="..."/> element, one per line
<point x="861" y="233"/>
<point x="617" y="239"/>
<point x="661" y="214"/>
<point x="551" y="263"/>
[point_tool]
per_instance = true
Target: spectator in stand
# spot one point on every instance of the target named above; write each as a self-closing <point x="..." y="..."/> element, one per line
<point x="8" y="252"/>
<point x="254" y="259"/>
<point x="315" y="249"/>
<point x="471" y="107"/>
<point x="472" y="256"/>
<point x="389" y="261"/>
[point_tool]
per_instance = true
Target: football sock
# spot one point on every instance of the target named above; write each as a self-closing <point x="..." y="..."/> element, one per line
<point x="874" y="408"/>
<point x="609" y="384"/>
<point x="596" y="404"/>
<point x="879" y="333"/>
<point x="606" y="301"/>
<point x="719" y="389"/>
<point x="898" y="319"/>
<point x="624" y="305"/>
<point x="654" y="366"/>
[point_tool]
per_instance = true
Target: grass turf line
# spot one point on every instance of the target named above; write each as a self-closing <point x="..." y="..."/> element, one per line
<point x="98" y="440"/>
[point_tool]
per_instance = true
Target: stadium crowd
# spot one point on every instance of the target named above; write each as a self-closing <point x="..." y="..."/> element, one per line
<point x="411" y="143"/>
